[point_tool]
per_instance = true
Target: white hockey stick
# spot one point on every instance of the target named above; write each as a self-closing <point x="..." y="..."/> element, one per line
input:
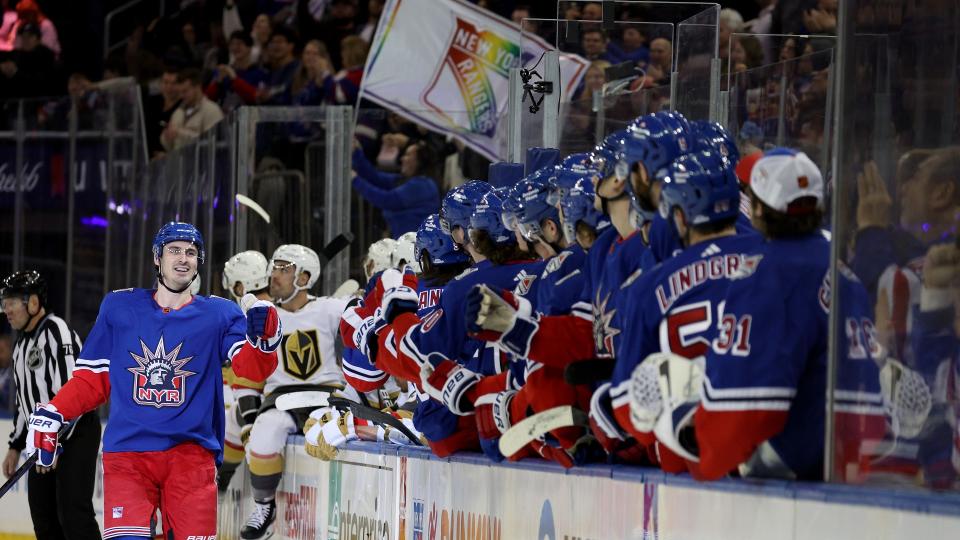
<point x="252" y="204"/>
<point x="532" y="428"/>
<point x="302" y="400"/>
<point x="347" y="288"/>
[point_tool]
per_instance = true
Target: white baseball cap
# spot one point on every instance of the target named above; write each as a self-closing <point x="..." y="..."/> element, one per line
<point x="782" y="176"/>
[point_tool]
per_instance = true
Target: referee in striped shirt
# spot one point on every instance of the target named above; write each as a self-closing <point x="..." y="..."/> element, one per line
<point x="61" y="497"/>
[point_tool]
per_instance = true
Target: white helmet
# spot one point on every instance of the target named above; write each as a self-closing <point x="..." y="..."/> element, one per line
<point x="406" y="251"/>
<point x="304" y="259"/>
<point x="379" y="256"/>
<point x="250" y="269"/>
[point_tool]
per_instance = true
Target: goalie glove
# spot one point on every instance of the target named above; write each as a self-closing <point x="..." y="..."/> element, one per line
<point x="907" y="399"/>
<point x="331" y="431"/>
<point x="44" y="428"/>
<point x="397" y="297"/>
<point x="499" y="315"/>
<point x="449" y="383"/>
<point x="264" y="330"/>
<point x="679" y="381"/>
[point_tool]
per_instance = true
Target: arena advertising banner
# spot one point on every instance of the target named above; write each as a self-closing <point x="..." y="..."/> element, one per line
<point x="445" y="64"/>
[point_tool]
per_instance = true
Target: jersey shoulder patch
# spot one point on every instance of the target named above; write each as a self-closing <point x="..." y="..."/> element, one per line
<point x="466" y="273"/>
<point x="555" y="263"/>
<point x="128" y="289"/>
<point x="748" y="267"/>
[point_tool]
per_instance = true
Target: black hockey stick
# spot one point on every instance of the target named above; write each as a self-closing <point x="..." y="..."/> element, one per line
<point x="334" y="247"/>
<point x="379" y="417"/>
<point x="30" y="462"/>
<point x="588" y="371"/>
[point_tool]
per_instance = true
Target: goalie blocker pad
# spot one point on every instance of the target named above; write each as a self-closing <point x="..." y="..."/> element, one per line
<point x="534" y="427"/>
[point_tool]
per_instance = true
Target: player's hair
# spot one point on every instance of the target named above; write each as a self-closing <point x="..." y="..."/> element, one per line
<point x="190" y="75"/>
<point x="439" y="273"/>
<point x="805" y="217"/>
<point x="715" y="227"/>
<point x="496" y="254"/>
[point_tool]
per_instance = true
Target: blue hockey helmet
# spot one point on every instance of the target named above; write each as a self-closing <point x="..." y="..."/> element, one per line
<point x="510" y="208"/>
<point x="712" y="136"/>
<point x="486" y="217"/>
<point x="576" y="206"/>
<point x="533" y="192"/>
<point x="440" y="248"/>
<point x="654" y="140"/>
<point x="568" y="173"/>
<point x="178" y="231"/>
<point x="459" y="203"/>
<point x="702" y="186"/>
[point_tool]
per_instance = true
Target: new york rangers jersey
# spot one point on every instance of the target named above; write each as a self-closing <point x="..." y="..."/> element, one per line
<point x="160" y="370"/>
<point x="674" y="307"/>
<point x="765" y="380"/>
<point x="561" y="281"/>
<point x="307" y="354"/>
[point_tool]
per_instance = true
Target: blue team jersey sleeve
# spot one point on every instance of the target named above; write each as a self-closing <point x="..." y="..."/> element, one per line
<point x="235" y="328"/>
<point x="95" y="353"/>
<point x="441" y="336"/>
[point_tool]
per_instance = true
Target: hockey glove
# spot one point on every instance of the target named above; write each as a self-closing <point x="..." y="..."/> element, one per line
<point x="331" y="431"/>
<point x="493" y="414"/>
<point x="44" y="428"/>
<point x="263" y="324"/>
<point x="499" y="315"/>
<point x="449" y="384"/>
<point x="604" y="427"/>
<point x="365" y="336"/>
<point x="247" y="407"/>
<point x="398" y="297"/>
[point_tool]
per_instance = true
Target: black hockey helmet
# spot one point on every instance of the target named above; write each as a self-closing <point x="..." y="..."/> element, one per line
<point x="24" y="283"/>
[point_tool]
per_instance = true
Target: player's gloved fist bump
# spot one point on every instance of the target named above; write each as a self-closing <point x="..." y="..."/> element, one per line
<point x="365" y="336"/>
<point x="398" y="297"/>
<point x="493" y="413"/>
<point x="44" y="425"/>
<point x="449" y="383"/>
<point x="494" y="314"/>
<point x="263" y="323"/>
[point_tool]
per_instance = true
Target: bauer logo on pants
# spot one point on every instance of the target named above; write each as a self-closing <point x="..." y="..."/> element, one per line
<point x="301" y="353"/>
<point x="159" y="380"/>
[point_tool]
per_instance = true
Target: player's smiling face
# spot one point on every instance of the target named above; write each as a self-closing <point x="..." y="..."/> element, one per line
<point x="178" y="263"/>
<point x="281" y="279"/>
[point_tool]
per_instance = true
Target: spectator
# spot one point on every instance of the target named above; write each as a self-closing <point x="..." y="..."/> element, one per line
<point x="633" y="46"/>
<point x="374" y="10"/>
<point x="87" y="96"/>
<point x="230" y="20"/>
<point x="237" y="84"/>
<point x="262" y="30"/>
<point x="195" y="115"/>
<point x="519" y="13"/>
<point x="594" y="79"/>
<point x="661" y="55"/>
<point x="282" y="65"/>
<point x="594" y="44"/>
<point x="761" y="25"/>
<point x="31" y="69"/>
<point x="405" y="199"/>
<point x="822" y="19"/>
<point x="315" y="68"/>
<point x="343" y="88"/>
<point x="592" y="11"/>
<point x="8" y="23"/>
<point x="339" y="23"/>
<point x="28" y="12"/>
<point x="730" y="22"/>
<point x="158" y="108"/>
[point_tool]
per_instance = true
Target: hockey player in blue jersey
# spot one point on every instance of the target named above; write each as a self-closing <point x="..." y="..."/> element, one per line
<point x="156" y="356"/>
<point x="628" y="161"/>
<point x="760" y="408"/>
<point x="674" y="306"/>
<point x="455" y="369"/>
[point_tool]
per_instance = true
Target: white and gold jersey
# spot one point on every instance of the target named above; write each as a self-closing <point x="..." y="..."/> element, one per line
<point x="307" y="353"/>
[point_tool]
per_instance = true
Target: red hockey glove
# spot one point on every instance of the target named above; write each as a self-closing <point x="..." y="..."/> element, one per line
<point x="493" y="414"/>
<point x="263" y="324"/>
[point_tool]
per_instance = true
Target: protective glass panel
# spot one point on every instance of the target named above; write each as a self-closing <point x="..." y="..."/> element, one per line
<point x="896" y="212"/>
<point x="784" y="104"/>
<point x="697" y="90"/>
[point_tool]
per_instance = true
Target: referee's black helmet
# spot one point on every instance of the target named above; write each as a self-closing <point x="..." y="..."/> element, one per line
<point x="24" y="283"/>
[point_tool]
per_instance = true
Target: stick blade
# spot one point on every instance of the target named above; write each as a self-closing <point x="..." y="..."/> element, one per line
<point x="533" y="427"/>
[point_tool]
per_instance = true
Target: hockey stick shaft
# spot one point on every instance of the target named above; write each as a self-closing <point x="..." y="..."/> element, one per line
<point x="374" y="415"/>
<point x="341" y="242"/>
<point x="588" y="372"/>
<point x="533" y="427"/>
